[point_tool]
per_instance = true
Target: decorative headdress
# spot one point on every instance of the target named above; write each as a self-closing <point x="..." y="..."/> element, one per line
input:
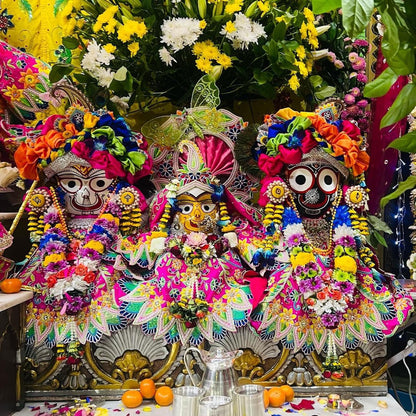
<point x="95" y="139"/>
<point x="196" y="146"/>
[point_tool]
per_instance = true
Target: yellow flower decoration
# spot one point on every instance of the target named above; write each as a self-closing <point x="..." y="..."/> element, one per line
<point x="310" y="17"/>
<point x="301" y="259"/>
<point x="95" y="245"/>
<point x="53" y="258"/>
<point x="233" y="6"/>
<point x="14" y="93"/>
<point x="294" y="83"/>
<point x="202" y="24"/>
<point x="264" y="7"/>
<point x="301" y="52"/>
<point x="346" y="263"/>
<point x="224" y="60"/>
<point x="109" y="47"/>
<point x="133" y="48"/>
<point x="229" y="27"/>
<point x="90" y="120"/>
<point x="204" y="65"/>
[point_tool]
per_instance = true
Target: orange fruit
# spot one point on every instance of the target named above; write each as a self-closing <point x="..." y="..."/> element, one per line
<point x="276" y="397"/>
<point x="289" y="392"/>
<point x="164" y="396"/>
<point x="12" y="285"/>
<point x="266" y="398"/>
<point x="132" y="398"/>
<point x="147" y="388"/>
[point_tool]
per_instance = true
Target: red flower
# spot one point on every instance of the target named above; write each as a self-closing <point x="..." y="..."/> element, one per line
<point x="51" y="281"/>
<point x="89" y="277"/>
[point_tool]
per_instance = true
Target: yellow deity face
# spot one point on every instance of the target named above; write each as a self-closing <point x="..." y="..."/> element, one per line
<point x="197" y="214"/>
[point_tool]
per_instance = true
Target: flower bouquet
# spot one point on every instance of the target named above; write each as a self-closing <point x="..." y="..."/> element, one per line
<point x="189" y="310"/>
<point x="134" y="52"/>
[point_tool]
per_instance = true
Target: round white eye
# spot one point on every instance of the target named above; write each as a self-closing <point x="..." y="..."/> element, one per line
<point x="70" y="185"/>
<point x="301" y="179"/>
<point x="328" y="180"/>
<point x="207" y="208"/>
<point x="100" y="184"/>
<point x="186" y="208"/>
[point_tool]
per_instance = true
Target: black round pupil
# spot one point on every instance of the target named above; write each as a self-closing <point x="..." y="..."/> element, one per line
<point x="71" y="184"/>
<point x="100" y="183"/>
<point x="300" y="179"/>
<point x="187" y="209"/>
<point x="206" y="207"/>
<point x="328" y="180"/>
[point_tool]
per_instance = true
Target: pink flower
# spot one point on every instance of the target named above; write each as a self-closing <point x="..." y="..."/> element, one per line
<point x="353" y="57"/>
<point x="360" y="42"/>
<point x="353" y="75"/>
<point x="196" y="239"/>
<point x="339" y="64"/>
<point x="359" y="64"/>
<point x="362" y="78"/>
<point x="349" y="99"/>
<point x="331" y="56"/>
<point x="356" y="92"/>
<point x="362" y="103"/>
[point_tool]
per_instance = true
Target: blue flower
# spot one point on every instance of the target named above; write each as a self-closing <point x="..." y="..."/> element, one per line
<point x="342" y="216"/>
<point x="290" y="217"/>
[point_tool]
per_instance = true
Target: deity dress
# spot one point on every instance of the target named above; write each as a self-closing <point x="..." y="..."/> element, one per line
<point x="91" y="161"/>
<point x="198" y="289"/>
<point x="324" y="288"/>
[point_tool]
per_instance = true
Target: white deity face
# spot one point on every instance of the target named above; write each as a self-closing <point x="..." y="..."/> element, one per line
<point x="85" y="188"/>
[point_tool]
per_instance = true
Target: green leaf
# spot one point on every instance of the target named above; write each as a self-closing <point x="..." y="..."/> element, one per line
<point x="378" y="224"/>
<point x="324" y="6"/>
<point x="404" y="186"/>
<point x="356" y="15"/>
<point x="325" y="92"/>
<point x="121" y="74"/>
<point x="316" y="81"/>
<point x="406" y="143"/>
<point x="58" y="71"/>
<point x="404" y="103"/>
<point x="381" y="85"/>
<point x="379" y="238"/>
<point x="70" y="42"/>
<point x="279" y="31"/>
<point x="261" y="76"/>
<point x="403" y="62"/>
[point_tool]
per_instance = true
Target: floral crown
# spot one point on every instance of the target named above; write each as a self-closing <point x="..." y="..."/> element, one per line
<point x="95" y="139"/>
<point x="288" y="138"/>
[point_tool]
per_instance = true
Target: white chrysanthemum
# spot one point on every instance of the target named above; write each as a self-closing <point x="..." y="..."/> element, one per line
<point x="180" y="32"/>
<point x="292" y="229"/>
<point x="104" y="76"/>
<point x="343" y="231"/>
<point x="166" y="57"/>
<point x="122" y="102"/>
<point x="246" y="32"/>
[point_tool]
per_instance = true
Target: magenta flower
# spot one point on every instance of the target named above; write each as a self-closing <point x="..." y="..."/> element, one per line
<point x="353" y="57"/>
<point x="339" y="64"/>
<point x="349" y="99"/>
<point x="356" y="92"/>
<point x="360" y="42"/>
<point x="362" y="78"/>
<point x="359" y="64"/>
<point x="362" y="103"/>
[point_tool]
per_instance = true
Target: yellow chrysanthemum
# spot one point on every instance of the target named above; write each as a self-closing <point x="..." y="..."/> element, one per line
<point x="309" y="65"/>
<point x="202" y="24"/>
<point x="346" y="263"/>
<point x="124" y="34"/>
<point x="311" y="29"/>
<point x="53" y="258"/>
<point x="133" y="48"/>
<point x="109" y="47"/>
<point x="310" y="17"/>
<point x="197" y="48"/>
<point x="95" y="245"/>
<point x="225" y="61"/>
<point x="302" y="68"/>
<point x="279" y="19"/>
<point x="233" y="6"/>
<point x="97" y="26"/>
<point x="230" y="27"/>
<point x="204" y="65"/>
<point x="294" y="83"/>
<point x="210" y="52"/>
<point x="301" y="259"/>
<point x="303" y="31"/>
<point x="110" y="27"/>
<point x="137" y="28"/>
<point x="301" y="52"/>
<point x="264" y="7"/>
<point x="107" y="14"/>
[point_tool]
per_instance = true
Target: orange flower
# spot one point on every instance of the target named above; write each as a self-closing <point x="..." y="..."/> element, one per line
<point x="41" y="148"/>
<point x="336" y="294"/>
<point x="321" y="295"/>
<point x="81" y="270"/>
<point x="54" y="139"/>
<point x="26" y="160"/>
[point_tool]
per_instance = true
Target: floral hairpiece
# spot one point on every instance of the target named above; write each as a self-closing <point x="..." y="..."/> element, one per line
<point x="288" y="135"/>
<point x="102" y="140"/>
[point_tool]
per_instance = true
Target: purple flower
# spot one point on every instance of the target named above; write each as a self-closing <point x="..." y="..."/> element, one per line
<point x="330" y="320"/>
<point x="316" y="283"/>
<point x="110" y="226"/>
<point x="90" y="253"/>
<point x="305" y="286"/>
<point x="360" y="42"/>
<point x="51" y="218"/>
<point x="56" y="267"/>
<point x="346" y="240"/>
<point x="345" y="287"/>
<point x="54" y="246"/>
<point x="295" y="240"/>
<point x="114" y="209"/>
<point x="359" y="65"/>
